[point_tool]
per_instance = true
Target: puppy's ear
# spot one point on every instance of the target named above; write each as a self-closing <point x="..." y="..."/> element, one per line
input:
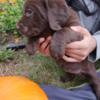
<point x="57" y="13"/>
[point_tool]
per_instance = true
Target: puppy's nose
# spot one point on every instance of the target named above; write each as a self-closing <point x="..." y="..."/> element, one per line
<point x="20" y="26"/>
<point x="17" y="26"/>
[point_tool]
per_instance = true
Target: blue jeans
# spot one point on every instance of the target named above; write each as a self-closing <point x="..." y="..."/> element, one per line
<point x="81" y="93"/>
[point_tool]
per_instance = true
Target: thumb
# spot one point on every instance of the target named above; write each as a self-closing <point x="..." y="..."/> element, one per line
<point x="80" y="29"/>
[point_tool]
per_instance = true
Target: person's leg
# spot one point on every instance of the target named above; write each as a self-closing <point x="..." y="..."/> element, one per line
<point x="55" y="93"/>
<point x="81" y="93"/>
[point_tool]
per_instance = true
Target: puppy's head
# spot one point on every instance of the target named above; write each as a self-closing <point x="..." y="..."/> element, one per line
<point x="39" y="14"/>
<point x="33" y="20"/>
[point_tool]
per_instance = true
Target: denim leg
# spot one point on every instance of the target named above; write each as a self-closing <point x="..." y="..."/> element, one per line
<point x="81" y="93"/>
<point x="55" y="93"/>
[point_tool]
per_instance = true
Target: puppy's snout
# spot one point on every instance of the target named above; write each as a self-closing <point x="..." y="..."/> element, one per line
<point x="21" y="27"/>
<point x="17" y="26"/>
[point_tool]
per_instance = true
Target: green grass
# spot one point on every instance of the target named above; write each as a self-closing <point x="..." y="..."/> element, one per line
<point x="9" y="14"/>
<point x="38" y="68"/>
<point x="6" y="55"/>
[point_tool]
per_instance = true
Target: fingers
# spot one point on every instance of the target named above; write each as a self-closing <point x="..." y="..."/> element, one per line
<point x="41" y="40"/>
<point x="44" y="45"/>
<point x="79" y="54"/>
<point x="75" y="45"/>
<point x="47" y="52"/>
<point x="76" y="56"/>
<point x="69" y="59"/>
<point x="46" y="42"/>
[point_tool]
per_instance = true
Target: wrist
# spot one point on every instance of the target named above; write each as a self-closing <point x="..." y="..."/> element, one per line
<point x="93" y="44"/>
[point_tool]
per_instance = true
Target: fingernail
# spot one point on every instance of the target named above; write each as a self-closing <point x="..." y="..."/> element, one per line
<point x="41" y="40"/>
<point x="74" y="28"/>
<point x="49" y="38"/>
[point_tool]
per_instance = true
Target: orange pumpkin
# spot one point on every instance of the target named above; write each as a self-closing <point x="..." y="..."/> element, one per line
<point x="3" y="1"/>
<point x="20" y="88"/>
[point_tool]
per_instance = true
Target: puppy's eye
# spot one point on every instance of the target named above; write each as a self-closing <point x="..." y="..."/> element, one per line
<point x="29" y="12"/>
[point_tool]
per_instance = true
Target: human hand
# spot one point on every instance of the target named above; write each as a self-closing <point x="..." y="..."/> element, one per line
<point x="79" y="50"/>
<point x="43" y="45"/>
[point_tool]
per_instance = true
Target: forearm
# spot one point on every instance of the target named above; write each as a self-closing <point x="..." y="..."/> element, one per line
<point x="95" y="55"/>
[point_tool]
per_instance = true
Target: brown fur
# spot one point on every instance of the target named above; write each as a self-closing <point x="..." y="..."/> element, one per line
<point x="42" y="18"/>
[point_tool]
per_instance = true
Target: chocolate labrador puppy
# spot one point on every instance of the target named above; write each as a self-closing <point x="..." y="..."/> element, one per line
<point x="42" y="18"/>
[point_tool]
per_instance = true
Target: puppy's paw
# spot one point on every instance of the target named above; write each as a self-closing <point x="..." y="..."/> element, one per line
<point x="56" y="53"/>
<point x="30" y="49"/>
